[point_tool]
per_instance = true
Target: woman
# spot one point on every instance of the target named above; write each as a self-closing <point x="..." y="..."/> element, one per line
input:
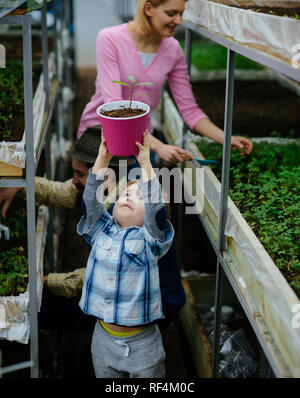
<point x="146" y="49"/>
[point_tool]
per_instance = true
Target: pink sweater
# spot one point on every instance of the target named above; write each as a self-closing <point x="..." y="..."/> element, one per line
<point x="118" y="58"/>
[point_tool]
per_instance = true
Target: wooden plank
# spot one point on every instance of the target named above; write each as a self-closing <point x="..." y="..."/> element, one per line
<point x="200" y="347"/>
<point x="8" y="170"/>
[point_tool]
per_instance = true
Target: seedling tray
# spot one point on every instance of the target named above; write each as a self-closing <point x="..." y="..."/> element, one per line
<point x="267" y="296"/>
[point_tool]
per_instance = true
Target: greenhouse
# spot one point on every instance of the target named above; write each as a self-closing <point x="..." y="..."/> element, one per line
<point x="149" y="190"/>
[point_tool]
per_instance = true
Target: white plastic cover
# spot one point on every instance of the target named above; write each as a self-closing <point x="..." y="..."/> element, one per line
<point x="7" y="6"/>
<point x="260" y="3"/>
<point x="276" y="35"/>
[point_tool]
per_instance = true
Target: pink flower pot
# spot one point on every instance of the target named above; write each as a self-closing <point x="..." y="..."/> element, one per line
<point x="121" y="133"/>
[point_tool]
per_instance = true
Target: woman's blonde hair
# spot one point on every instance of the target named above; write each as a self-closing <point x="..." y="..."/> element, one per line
<point x="141" y="20"/>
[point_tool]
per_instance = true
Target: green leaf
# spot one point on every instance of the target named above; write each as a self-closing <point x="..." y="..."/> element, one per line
<point x="132" y="79"/>
<point x="124" y="84"/>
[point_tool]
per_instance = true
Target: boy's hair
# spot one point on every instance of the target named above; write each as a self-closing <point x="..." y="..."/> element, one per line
<point x="141" y="19"/>
<point x="165" y="196"/>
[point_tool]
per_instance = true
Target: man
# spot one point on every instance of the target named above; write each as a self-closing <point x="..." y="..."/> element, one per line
<point x="60" y="298"/>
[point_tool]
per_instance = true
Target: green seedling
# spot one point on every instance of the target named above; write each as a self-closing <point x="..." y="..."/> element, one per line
<point x="132" y="87"/>
<point x="265" y="187"/>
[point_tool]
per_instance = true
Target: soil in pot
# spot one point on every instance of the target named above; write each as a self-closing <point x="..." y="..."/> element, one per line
<point x="123" y="112"/>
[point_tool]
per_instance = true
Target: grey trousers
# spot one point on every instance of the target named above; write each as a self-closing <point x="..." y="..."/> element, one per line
<point x="139" y="356"/>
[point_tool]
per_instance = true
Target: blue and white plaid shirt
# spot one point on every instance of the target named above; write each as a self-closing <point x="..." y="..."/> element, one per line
<point x="122" y="281"/>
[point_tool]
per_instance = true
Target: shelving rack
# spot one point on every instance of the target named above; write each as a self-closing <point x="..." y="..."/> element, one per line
<point x="222" y="263"/>
<point x="52" y="105"/>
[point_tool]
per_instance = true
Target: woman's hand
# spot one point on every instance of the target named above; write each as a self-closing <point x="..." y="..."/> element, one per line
<point x="207" y="128"/>
<point x="242" y="143"/>
<point x="173" y="154"/>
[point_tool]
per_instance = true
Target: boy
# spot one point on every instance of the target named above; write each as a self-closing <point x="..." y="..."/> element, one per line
<point x="121" y="285"/>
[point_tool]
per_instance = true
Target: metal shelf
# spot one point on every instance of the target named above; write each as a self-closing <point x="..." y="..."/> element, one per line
<point x="52" y="90"/>
<point x="258" y="56"/>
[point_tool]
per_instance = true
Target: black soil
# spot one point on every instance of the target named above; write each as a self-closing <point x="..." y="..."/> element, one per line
<point x="16" y="118"/>
<point x="14" y="47"/>
<point x="123" y="112"/>
<point x="260" y="107"/>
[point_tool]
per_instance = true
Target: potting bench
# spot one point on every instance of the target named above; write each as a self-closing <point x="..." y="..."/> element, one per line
<point x="50" y="93"/>
<point x="266" y="299"/>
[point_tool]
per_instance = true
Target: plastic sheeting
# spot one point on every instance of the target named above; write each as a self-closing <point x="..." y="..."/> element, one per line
<point x="9" y="5"/>
<point x="260" y="3"/>
<point x="276" y="35"/>
<point x="14" y="153"/>
<point x="14" y="318"/>
<point x="237" y="356"/>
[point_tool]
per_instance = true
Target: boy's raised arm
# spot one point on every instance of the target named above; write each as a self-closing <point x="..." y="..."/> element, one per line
<point x="93" y="206"/>
<point x="155" y="219"/>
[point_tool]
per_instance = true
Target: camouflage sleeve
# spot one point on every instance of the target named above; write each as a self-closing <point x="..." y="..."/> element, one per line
<point x="54" y="193"/>
<point x="67" y="284"/>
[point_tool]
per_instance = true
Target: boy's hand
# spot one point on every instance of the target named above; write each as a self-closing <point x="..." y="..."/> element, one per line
<point x="143" y="156"/>
<point x="103" y="158"/>
<point x="103" y="151"/>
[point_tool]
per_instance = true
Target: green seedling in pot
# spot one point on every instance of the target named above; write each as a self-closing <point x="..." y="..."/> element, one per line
<point x="132" y="86"/>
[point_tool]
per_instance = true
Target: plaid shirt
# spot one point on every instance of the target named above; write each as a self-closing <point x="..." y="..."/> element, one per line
<point x="122" y="281"/>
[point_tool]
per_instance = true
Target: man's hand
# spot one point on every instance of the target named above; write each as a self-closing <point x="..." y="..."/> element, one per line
<point x="6" y="197"/>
